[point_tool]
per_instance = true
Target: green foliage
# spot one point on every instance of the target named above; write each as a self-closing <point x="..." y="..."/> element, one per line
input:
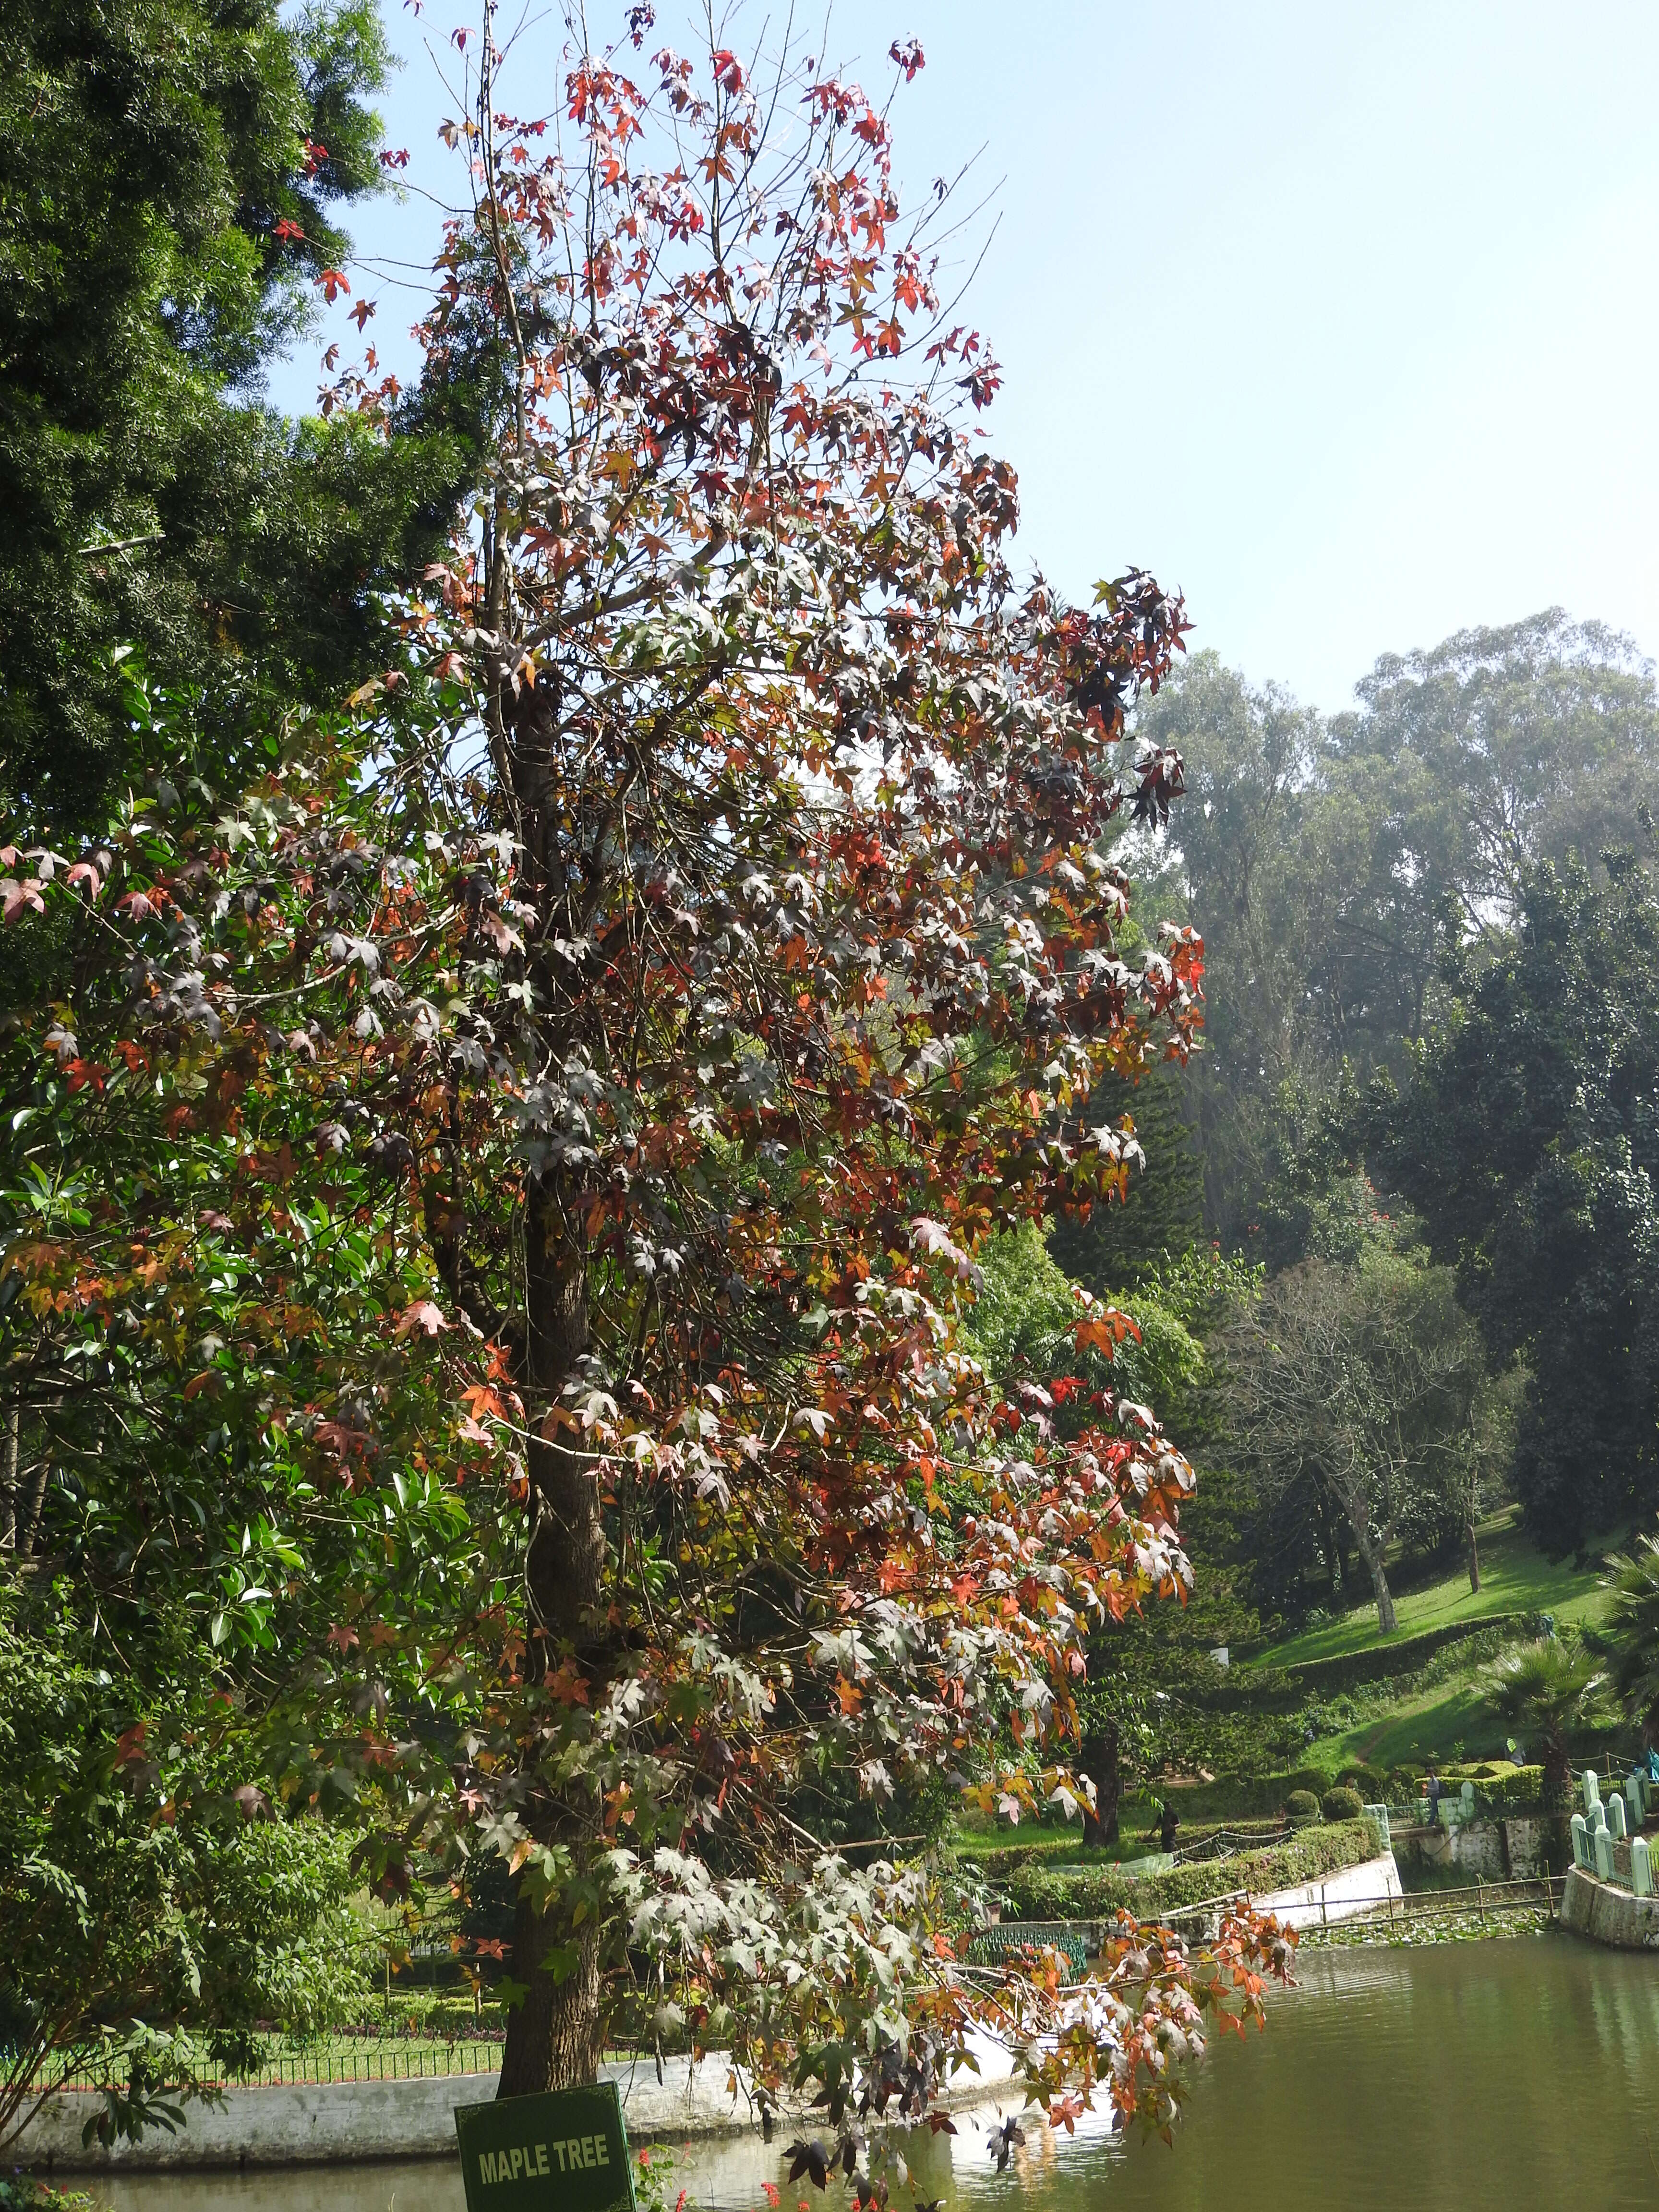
<point x="1023" y="1317"/>
<point x="1341" y="1804"/>
<point x="146" y="1889"/>
<point x="656" y="2167"/>
<point x="1544" y="1690"/>
<point x="1369" y="1782"/>
<point x="1330" y="864"/>
<point x="1513" y="1789"/>
<point x="1161" y="1216"/>
<point x="1037" y="1892"/>
<point x="1525" y="1139"/>
<point x="1023" y="1320"/>
<point x="23" y="2193"/>
<point x="1302" y="1804"/>
<point x="1632" y="1633"/>
<point x="167" y="172"/>
<point x="1359" y="1406"/>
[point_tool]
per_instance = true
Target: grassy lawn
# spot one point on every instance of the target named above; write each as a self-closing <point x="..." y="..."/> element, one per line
<point x="1137" y="1812"/>
<point x="1435" y="1725"/>
<point x="1514" y="1578"/>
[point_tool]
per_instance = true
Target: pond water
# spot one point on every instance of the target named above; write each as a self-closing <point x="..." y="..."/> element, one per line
<point x="1518" y="2075"/>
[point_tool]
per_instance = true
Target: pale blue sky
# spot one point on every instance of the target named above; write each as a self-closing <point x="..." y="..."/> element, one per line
<point x="1344" y="319"/>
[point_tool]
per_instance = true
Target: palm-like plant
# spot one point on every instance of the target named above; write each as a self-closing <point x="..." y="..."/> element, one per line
<point x="1634" y="1633"/>
<point x="1544" y="1689"/>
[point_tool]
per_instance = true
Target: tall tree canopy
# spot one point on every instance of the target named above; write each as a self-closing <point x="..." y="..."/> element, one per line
<point x="167" y="168"/>
<point x="1333" y="863"/>
<point x="1526" y="1140"/>
<point x="531" y="1145"/>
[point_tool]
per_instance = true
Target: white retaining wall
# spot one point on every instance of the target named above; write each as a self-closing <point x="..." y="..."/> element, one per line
<point x="1336" y="1896"/>
<point x="324" y="2123"/>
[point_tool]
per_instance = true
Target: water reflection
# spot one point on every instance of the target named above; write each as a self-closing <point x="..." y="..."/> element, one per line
<point x="1497" y="2077"/>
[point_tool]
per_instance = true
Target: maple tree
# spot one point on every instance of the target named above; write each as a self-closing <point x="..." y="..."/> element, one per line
<point x="545" y="1124"/>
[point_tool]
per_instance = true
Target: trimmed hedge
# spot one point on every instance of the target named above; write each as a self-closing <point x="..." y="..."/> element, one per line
<point x="1002" y="1865"/>
<point x="1096" y="1893"/>
<point x="1512" y="1789"/>
<point x="1381" y="1662"/>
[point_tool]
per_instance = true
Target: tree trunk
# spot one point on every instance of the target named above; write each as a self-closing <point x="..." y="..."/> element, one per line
<point x="1099" y="1761"/>
<point x="1371" y="1552"/>
<point x="9" y="1503"/>
<point x="1558" y="1770"/>
<point x="1474" y="1560"/>
<point x="1334" y="1573"/>
<point x="29" y="1512"/>
<point x="555" y="2035"/>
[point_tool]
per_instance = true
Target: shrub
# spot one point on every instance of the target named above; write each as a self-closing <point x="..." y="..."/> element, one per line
<point x="1513" y="1789"/>
<point x="1302" y="1804"/>
<point x="1039" y="1892"/>
<point x="1370" y="1784"/>
<point x="1342" y="1805"/>
<point x="1307" y="1777"/>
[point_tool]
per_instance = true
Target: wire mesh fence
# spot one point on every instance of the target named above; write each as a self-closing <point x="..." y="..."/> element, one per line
<point x="280" y="2061"/>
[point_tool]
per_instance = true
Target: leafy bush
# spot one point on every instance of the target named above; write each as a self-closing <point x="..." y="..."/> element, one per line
<point x="145" y="1889"/>
<point x="21" y="2192"/>
<point x="1039" y="1892"/>
<point x="1513" y="1789"/>
<point x="1342" y="1805"/>
<point x="1370" y="1784"/>
<point x="1305" y="1777"/>
<point x="1302" y="1804"/>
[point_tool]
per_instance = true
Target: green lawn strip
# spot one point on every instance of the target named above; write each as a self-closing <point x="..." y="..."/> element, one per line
<point x="1138" y="1815"/>
<point x="1514" y="1578"/>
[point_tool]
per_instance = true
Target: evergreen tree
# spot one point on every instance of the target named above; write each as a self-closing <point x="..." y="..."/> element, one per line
<point x="166" y="168"/>
<point x="1117" y="1246"/>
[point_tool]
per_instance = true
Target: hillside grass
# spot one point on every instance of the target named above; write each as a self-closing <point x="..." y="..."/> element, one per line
<point x="1514" y="1578"/>
<point x="976" y="1839"/>
<point x="1436" y="1724"/>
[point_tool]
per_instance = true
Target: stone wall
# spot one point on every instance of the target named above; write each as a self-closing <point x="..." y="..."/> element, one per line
<point x="1319" y="1902"/>
<point x="1516" y="1849"/>
<point x="1609" y="1916"/>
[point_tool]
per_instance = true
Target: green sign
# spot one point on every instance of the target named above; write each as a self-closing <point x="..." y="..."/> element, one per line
<point x="563" y="2152"/>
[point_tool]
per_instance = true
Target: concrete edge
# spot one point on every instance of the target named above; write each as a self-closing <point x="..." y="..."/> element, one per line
<point x="341" y="2123"/>
<point x="1603" y="1914"/>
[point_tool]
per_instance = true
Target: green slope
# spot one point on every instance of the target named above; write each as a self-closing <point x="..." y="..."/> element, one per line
<point x="1514" y="1578"/>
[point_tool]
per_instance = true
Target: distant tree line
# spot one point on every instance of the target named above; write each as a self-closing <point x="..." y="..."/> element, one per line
<point x="1424" y="1103"/>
